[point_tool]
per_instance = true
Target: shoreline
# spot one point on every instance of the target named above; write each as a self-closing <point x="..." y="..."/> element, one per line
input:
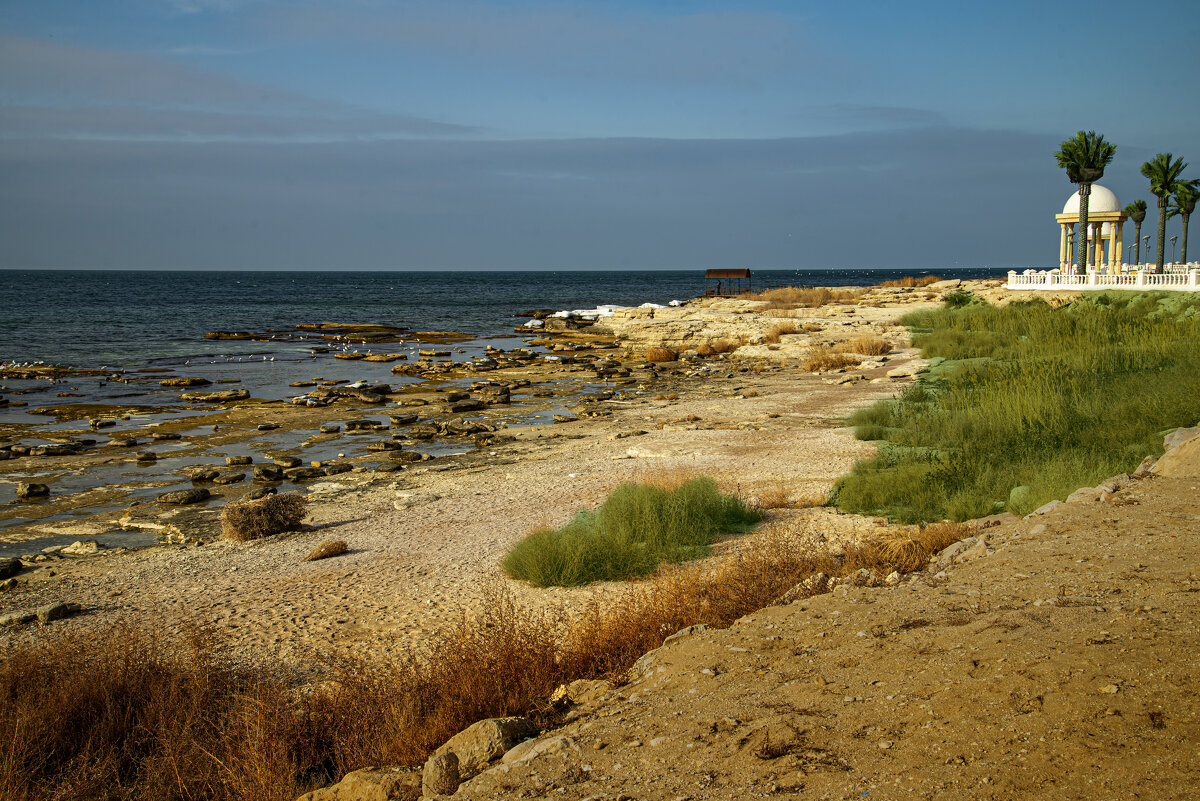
<point x="425" y="537"/>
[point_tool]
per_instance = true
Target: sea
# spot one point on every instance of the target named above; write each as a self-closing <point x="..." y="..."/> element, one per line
<point x="128" y="319"/>
<point x="139" y="327"/>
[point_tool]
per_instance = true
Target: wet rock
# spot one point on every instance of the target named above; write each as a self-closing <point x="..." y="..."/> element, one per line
<point x="288" y="461"/>
<point x="337" y="467"/>
<point x="267" y="426"/>
<point x="186" y="496"/>
<point x="440" y="776"/>
<point x="27" y="490"/>
<point x="330" y="428"/>
<point x="203" y="474"/>
<point x="386" y="467"/>
<point x="398" y="420"/>
<point x="165" y="435"/>
<point x="56" y="611"/>
<point x="260" y="492"/>
<point x="565" y="418"/>
<point x="146" y="456"/>
<point x="423" y="431"/>
<point x="452" y="397"/>
<point x="184" y="382"/>
<point x="54" y="449"/>
<point x="413" y="402"/>
<point x="223" y="396"/>
<point x="303" y="473"/>
<point x="10" y="567"/>
<point x="406" y="457"/>
<point x="229" y="478"/>
<point x="384" y="445"/>
<point x="238" y="460"/>
<point x="268" y="472"/>
<point x="468" y="405"/>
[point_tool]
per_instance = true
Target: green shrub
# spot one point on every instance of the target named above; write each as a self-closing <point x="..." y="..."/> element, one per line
<point x="1027" y="396"/>
<point x="636" y="529"/>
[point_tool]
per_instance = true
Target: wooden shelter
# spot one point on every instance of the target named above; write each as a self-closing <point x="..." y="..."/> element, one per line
<point x="726" y="282"/>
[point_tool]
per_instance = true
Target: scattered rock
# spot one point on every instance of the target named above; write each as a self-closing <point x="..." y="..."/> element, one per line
<point x="204" y="474"/>
<point x="10" y="567"/>
<point x="260" y="492"/>
<point x="18" y="618"/>
<point x="268" y="472"/>
<point x="239" y="460"/>
<point x="229" y="478"/>
<point x="288" y="461"/>
<point x="184" y="382"/>
<point x="82" y="548"/>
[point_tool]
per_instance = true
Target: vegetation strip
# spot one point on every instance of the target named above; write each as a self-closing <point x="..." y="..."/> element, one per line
<point x="1024" y="403"/>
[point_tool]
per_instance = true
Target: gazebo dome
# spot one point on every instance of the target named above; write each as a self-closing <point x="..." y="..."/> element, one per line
<point x="1102" y="199"/>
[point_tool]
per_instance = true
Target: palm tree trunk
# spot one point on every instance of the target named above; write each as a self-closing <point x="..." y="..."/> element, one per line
<point x="1183" y="251"/>
<point x="1081" y="241"/>
<point x="1162" y="233"/>
<point x="1137" y="242"/>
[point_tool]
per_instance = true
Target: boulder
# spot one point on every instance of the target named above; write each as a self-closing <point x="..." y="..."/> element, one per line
<point x="370" y="784"/>
<point x="259" y="492"/>
<point x="229" y="478"/>
<point x="185" y="496"/>
<point x="10" y="567"/>
<point x="203" y="474"/>
<point x="288" y="461"/>
<point x="26" y="490"/>
<point x="490" y="739"/>
<point x="239" y="460"/>
<point x="440" y="776"/>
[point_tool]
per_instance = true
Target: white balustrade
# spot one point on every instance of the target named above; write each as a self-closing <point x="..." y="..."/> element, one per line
<point x="1179" y="278"/>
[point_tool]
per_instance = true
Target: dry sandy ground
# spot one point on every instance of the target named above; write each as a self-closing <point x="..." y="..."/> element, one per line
<point x="412" y="571"/>
<point x="1058" y="661"/>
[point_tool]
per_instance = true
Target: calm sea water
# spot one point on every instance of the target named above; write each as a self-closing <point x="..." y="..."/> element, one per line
<point x="131" y="319"/>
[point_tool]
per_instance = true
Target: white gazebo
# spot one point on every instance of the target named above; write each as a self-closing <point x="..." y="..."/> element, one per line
<point x="1105" y="227"/>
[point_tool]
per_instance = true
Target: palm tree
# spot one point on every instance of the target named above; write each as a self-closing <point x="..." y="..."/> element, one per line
<point x="1185" y="203"/>
<point x="1164" y="182"/>
<point x="1137" y="212"/>
<point x="1084" y="157"/>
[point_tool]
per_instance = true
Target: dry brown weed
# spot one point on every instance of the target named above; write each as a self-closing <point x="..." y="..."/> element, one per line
<point x="244" y="520"/>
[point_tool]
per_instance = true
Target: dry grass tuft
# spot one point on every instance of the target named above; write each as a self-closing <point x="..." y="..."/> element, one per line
<point x="912" y="281"/>
<point x="777" y="331"/>
<point x="937" y="536"/>
<point x="244" y="520"/>
<point x="327" y="549"/>
<point x="774" y="497"/>
<point x="822" y="358"/>
<point x="660" y="355"/>
<point x="869" y="345"/>
<point x="811" y="328"/>
<point x="668" y="397"/>
<point x="810" y="500"/>
<point x="904" y="552"/>
<point x="705" y="350"/>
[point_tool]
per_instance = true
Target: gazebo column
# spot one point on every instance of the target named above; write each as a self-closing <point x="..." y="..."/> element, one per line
<point x="1062" y="246"/>
<point x="1119" y="229"/>
<point x="1070" y="246"/>
<point x="1098" y="252"/>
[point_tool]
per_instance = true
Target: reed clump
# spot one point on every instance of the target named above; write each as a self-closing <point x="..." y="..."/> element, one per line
<point x="868" y="345"/>
<point x="638" y="527"/>
<point x="821" y="358"/>
<point x="791" y="297"/>
<point x="1028" y="395"/>
<point x="243" y="520"/>
<point x="660" y="355"/>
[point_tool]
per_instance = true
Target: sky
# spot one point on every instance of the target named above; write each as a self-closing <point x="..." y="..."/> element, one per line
<point x="537" y="134"/>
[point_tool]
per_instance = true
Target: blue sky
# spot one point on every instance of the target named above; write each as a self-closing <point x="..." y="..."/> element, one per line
<point x="323" y="134"/>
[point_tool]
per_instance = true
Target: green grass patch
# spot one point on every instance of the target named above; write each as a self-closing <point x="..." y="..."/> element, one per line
<point x="636" y="529"/>
<point x="1026" y="403"/>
